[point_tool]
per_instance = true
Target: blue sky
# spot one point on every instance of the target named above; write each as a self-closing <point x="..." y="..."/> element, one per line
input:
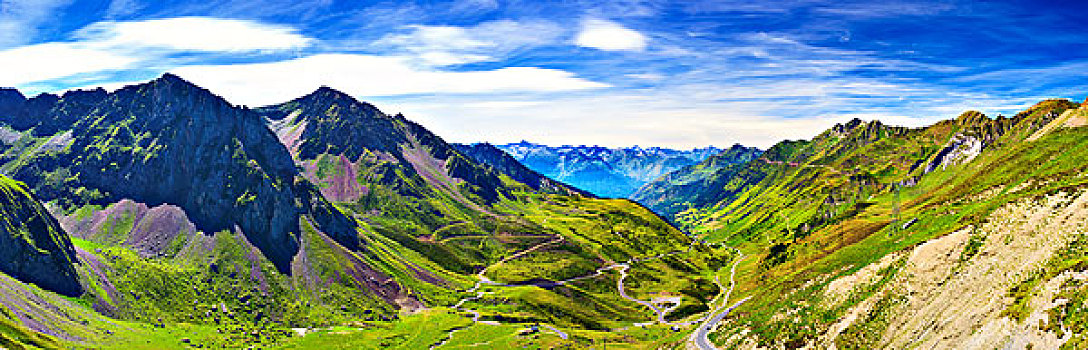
<point x="615" y="73"/>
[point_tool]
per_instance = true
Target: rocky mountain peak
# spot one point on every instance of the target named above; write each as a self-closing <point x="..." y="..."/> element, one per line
<point x="169" y="97"/>
<point x="737" y="147"/>
<point x="339" y="124"/>
<point x="331" y="93"/>
<point x="172" y="83"/>
<point x="171" y="78"/>
<point x="327" y="103"/>
<point x="43" y="101"/>
<point x="843" y="128"/>
<point x="971" y="118"/>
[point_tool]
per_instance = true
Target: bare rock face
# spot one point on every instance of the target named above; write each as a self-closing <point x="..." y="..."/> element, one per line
<point x="33" y="246"/>
<point x="960" y="149"/>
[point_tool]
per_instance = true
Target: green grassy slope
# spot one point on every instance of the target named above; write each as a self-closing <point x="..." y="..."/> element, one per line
<point x="370" y="219"/>
<point x="460" y="216"/>
<point x="809" y="211"/>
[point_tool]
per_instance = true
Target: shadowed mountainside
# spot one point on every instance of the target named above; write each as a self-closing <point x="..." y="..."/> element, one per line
<point x="175" y="143"/>
<point x="35" y="248"/>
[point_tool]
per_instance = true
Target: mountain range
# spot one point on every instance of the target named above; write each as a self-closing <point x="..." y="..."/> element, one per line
<point x="610" y="172"/>
<point x="162" y="216"/>
<point x="167" y="209"/>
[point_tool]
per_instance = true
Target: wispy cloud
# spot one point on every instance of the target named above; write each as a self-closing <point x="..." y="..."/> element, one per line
<point x="448" y="45"/>
<point x="21" y="19"/>
<point x="876" y="9"/>
<point x="1066" y="76"/>
<point x="122" y="8"/>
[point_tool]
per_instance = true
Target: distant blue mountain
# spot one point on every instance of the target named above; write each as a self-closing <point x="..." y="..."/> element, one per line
<point x="606" y="172"/>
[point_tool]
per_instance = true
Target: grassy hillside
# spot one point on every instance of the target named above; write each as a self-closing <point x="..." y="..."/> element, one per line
<point x="199" y="223"/>
<point x="461" y="216"/>
<point x="810" y="212"/>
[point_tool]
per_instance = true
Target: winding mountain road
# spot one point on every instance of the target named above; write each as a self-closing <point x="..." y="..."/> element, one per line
<point x="619" y="285"/>
<point x="700" y="336"/>
<point x="481" y="281"/>
<point x="621" y="267"/>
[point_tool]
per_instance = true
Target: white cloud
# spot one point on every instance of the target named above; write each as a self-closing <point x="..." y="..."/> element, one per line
<point x="609" y="36"/>
<point x="439" y="58"/>
<point x="194" y="34"/>
<point x="43" y="62"/>
<point x="109" y="46"/>
<point x="368" y="75"/>
<point x="436" y="38"/>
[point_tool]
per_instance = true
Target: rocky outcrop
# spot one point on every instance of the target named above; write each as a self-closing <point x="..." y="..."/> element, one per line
<point x="35" y="248"/>
<point x="960" y="149"/>
<point x="46" y="113"/>
<point x="857" y="133"/>
<point x="151" y="234"/>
